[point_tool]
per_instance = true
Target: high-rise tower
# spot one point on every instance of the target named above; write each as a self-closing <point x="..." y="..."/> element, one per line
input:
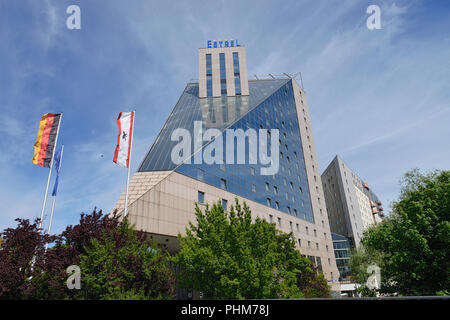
<point x="222" y="69"/>
<point x="163" y="192"/>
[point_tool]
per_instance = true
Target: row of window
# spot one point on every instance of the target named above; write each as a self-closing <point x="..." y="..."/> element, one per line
<point x="223" y="75"/>
<point x="316" y="260"/>
<point x="208" y="75"/>
<point x="201" y="199"/>
<point x="237" y="75"/>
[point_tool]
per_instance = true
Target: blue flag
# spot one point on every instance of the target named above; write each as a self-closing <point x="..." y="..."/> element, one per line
<point x="56" y="160"/>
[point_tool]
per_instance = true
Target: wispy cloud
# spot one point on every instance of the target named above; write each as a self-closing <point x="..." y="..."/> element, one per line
<point x="373" y="95"/>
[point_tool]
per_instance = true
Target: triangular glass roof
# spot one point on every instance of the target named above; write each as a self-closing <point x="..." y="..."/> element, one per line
<point x="218" y="113"/>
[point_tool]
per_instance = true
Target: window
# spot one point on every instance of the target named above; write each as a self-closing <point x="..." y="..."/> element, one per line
<point x="292" y="185"/>
<point x="309" y="244"/>
<point x="237" y="79"/>
<point x="315" y="233"/>
<point x="200" y="175"/>
<point x="252" y="171"/>
<point x="307" y="230"/>
<point x="319" y="263"/>
<point x="296" y="214"/>
<point x="223" y="184"/>
<point x="201" y="197"/>
<point x="277" y="205"/>
<point x="279" y="222"/>
<point x="208" y="75"/>
<point x="317" y="246"/>
<point x="299" y="242"/>
<point x="253" y="187"/>
<point x="275" y="190"/>
<point x="267" y="186"/>
<point x="289" y="209"/>
<point x="224" y="204"/>
<point x="290" y="225"/>
<point x="270" y="218"/>
<point x="269" y="202"/>
<point x="223" y="77"/>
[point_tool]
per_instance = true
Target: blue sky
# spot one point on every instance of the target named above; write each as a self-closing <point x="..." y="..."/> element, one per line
<point x="378" y="98"/>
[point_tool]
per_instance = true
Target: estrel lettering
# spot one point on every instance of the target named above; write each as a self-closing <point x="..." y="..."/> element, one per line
<point x="222" y="43"/>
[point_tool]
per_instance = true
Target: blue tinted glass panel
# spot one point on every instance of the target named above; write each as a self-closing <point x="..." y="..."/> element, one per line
<point x="201" y="197"/>
<point x="270" y="103"/>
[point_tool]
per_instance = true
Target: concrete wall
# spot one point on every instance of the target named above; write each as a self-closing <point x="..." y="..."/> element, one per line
<point x="167" y="208"/>
<point x="314" y="181"/>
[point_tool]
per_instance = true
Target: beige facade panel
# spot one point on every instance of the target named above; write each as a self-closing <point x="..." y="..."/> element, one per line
<point x="167" y="208"/>
<point x="229" y="69"/>
<point x="140" y="183"/>
<point x="313" y="174"/>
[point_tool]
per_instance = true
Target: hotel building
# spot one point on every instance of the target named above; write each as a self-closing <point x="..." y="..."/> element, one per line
<point x="162" y="194"/>
<point x="352" y="207"/>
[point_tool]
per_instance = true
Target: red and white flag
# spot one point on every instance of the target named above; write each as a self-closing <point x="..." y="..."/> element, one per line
<point x="125" y="122"/>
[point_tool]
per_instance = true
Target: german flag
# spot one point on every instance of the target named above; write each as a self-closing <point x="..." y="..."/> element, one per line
<point x="46" y="138"/>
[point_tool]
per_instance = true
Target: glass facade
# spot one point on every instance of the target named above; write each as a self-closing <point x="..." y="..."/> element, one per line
<point x="270" y="105"/>
<point x="342" y="247"/>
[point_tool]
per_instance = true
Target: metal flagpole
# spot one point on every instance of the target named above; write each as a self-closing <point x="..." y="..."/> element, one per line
<point x="54" y="198"/>
<point x="33" y="261"/>
<point x="129" y="165"/>
<point x="50" y="173"/>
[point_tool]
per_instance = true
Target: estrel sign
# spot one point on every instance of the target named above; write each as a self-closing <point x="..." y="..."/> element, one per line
<point x="222" y="43"/>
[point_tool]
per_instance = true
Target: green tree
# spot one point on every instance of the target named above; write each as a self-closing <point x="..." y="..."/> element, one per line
<point x="415" y="239"/>
<point x="116" y="262"/>
<point x="227" y="256"/>
<point x="360" y="260"/>
<point x="123" y="264"/>
<point x="311" y="282"/>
